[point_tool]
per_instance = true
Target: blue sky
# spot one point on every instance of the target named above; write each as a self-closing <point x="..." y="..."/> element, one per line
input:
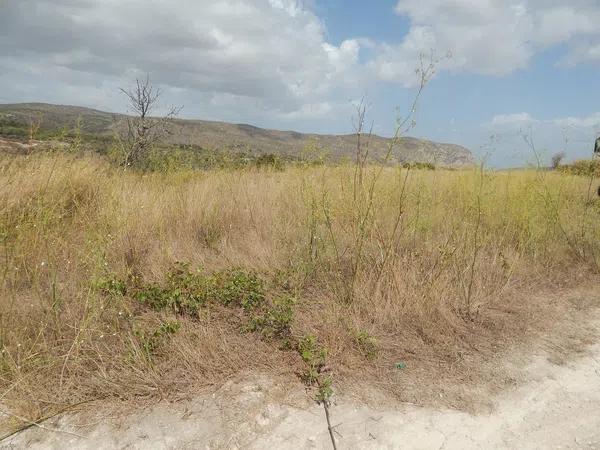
<point x="516" y="65"/>
<point x="458" y="107"/>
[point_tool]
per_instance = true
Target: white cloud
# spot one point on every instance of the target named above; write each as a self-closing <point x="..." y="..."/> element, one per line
<point x="272" y="51"/>
<point x="575" y="135"/>
<point x="521" y="119"/>
<point x="561" y="23"/>
<point x="591" y="121"/>
<point x="583" y="52"/>
<point x="399" y="62"/>
<point x="508" y="147"/>
<point x="491" y="37"/>
<point x="515" y="119"/>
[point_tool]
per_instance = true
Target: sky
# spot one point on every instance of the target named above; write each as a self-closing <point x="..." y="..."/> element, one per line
<point x="503" y="68"/>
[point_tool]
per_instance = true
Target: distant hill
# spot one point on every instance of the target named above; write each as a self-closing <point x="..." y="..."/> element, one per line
<point x="240" y="137"/>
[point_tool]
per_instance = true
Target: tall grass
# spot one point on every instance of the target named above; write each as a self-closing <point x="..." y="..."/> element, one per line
<point x="419" y="254"/>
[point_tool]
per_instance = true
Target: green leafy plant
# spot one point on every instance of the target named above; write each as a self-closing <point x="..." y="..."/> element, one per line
<point x="186" y="291"/>
<point x="150" y="341"/>
<point x="240" y="288"/>
<point x="276" y="321"/>
<point x="110" y="286"/>
<point x="314" y="356"/>
<point x="325" y="391"/>
<point x="367" y="344"/>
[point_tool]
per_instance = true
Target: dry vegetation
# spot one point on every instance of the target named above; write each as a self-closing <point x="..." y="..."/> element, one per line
<point x="365" y="272"/>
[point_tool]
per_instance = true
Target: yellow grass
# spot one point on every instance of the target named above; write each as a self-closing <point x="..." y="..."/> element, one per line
<point x="415" y="262"/>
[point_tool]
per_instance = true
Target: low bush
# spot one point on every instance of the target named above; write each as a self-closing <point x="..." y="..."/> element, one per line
<point x="583" y="167"/>
<point x="185" y="291"/>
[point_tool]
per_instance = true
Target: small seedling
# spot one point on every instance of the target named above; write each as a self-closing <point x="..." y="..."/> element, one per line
<point x="314" y="357"/>
<point x="325" y="391"/>
<point x="367" y="344"/>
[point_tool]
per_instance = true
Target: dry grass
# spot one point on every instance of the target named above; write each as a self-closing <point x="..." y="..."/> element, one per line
<point x="426" y="267"/>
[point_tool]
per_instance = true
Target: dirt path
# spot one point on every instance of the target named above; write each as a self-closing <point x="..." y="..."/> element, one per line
<point x="558" y="407"/>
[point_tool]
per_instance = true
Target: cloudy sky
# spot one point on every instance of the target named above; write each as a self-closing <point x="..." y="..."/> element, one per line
<point x="505" y="67"/>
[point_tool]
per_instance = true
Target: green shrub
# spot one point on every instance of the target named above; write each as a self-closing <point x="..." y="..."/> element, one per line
<point x="269" y="160"/>
<point x="276" y="321"/>
<point x="240" y="288"/>
<point x="419" y="165"/>
<point x="185" y="292"/>
<point x="583" y="167"/>
<point x="176" y="300"/>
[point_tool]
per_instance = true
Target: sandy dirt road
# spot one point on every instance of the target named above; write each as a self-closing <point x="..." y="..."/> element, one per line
<point x="558" y="407"/>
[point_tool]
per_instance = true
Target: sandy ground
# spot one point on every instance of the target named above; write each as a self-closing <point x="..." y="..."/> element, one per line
<point x="557" y="407"/>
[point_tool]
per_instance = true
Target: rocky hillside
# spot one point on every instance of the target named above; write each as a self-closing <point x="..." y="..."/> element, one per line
<point x="220" y="135"/>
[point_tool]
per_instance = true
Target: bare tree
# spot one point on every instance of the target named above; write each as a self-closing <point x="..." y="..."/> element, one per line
<point x="142" y="131"/>
<point x="557" y="159"/>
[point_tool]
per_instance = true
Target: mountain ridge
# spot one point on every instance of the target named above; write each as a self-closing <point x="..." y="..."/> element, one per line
<point x="240" y="136"/>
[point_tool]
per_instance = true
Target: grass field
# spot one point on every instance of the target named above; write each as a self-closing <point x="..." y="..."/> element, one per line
<point x="125" y="285"/>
